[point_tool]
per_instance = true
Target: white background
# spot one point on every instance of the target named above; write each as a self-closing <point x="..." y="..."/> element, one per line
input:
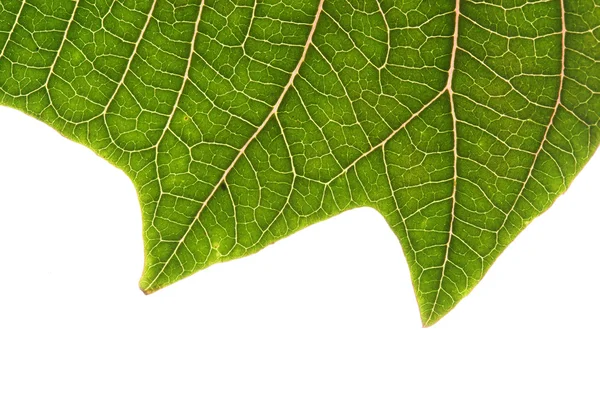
<point x="328" y="313"/>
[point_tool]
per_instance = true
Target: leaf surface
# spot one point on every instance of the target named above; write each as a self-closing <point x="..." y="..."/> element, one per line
<point x="241" y="122"/>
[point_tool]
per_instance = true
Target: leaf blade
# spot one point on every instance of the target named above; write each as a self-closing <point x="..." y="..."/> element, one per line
<point x="241" y="123"/>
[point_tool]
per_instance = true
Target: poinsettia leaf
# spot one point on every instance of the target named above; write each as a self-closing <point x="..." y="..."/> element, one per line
<point x="241" y="122"/>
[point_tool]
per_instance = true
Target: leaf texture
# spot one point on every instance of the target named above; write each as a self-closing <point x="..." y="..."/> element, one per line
<point x="241" y="122"/>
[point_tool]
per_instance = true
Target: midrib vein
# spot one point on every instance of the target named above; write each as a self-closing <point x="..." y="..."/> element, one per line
<point x="242" y="151"/>
<point x="455" y="178"/>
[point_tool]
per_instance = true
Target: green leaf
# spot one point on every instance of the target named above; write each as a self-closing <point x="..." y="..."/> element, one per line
<point x="241" y="122"/>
